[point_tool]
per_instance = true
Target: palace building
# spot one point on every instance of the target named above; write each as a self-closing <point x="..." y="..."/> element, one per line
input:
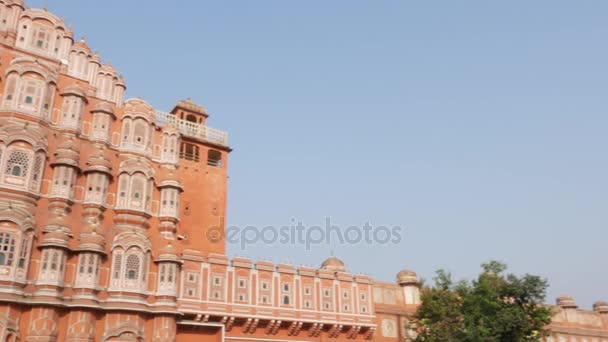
<point x="108" y="210"/>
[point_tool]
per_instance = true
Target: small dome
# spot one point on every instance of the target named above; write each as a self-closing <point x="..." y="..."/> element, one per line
<point x="137" y="107"/>
<point x="601" y="307"/>
<point x="98" y="162"/>
<point x="74" y="89"/>
<point x="67" y="153"/>
<point x="91" y="239"/>
<point x="168" y="249"/>
<point x="55" y="239"/>
<point x="168" y="253"/>
<point x="189" y="105"/>
<point x="96" y="59"/>
<point x="566" y="302"/>
<point x="81" y="45"/>
<point x="121" y="81"/>
<point x="103" y="107"/>
<point x="170" y="180"/>
<point x="407" y="277"/>
<point x="333" y="264"/>
<point x="57" y="222"/>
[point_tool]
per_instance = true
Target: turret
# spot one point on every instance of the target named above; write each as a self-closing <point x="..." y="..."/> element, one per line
<point x="408" y="280"/>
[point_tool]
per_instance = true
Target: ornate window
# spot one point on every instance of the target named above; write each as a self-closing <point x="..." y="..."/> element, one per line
<point x="11" y="89"/>
<point x="135" y="134"/>
<point x="15" y="246"/>
<point x="31" y="93"/>
<point x="134" y="192"/>
<point x="64" y="178"/>
<point x="71" y="112"/>
<point x="129" y="269"/>
<point x="78" y="65"/>
<point x="101" y="126"/>
<point x="97" y="187"/>
<point x="41" y="38"/>
<point x="37" y="171"/>
<point x="105" y="86"/>
<point x="52" y="266"/>
<point x="169" y="148"/>
<point x="169" y="202"/>
<point x="167" y="278"/>
<point x="17" y="163"/>
<point x="7" y="248"/>
<point x="88" y="269"/>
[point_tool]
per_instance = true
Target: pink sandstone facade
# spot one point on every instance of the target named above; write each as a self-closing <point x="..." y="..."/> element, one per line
<point x="106" y="207"/>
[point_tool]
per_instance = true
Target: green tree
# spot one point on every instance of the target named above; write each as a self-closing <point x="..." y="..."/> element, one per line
<point x="495" y="307"/>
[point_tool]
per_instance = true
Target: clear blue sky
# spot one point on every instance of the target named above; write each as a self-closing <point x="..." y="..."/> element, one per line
<point x="480" y="126"/>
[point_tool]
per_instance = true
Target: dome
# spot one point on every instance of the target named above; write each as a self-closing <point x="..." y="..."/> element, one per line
<point x="137" y="107"/>
<point x="121" y="81"/>
<point x="74" y="89"/>
<point x="55" y="239"/>
<point x="98" y="162"/>
<point x="407" y="277"/>
<point x="333" y="264"/>
<point x="601" y="307"/>
<point x="96" y="59"/>
<point x="103" y="107"/>
<point x="57" y="223"/>
<point x="91" y="240"/>
<point x="67" y="153"/>
<point x="566" y="302"/>
<point x="170" y="180"/>
<point x="81" y="45"/>
<point x="168" y="253"/>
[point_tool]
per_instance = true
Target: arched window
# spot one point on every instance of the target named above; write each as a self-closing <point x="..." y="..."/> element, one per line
<point x="64" y="178"/>
<point x="31" y="94"/>
<point x="52" y="266"/>
<point x="101" y="125"/>
<point x="41" y="37"/>
<point x="285" y="300"/>
<point x="71" y="111"/>
<point x="17" y="163"/>
<point x="140" y="133"/>
<point x="189" y="151"/>
<point x="138" y="184"/>
<point x="132" y="269"/>
<point x="24" y="251"/>
<point x="214" y="158"/>
<point x="126" y="131"/>
<point x="88" y="269"/>
<point x="37" y="170"/>
<point x="117" y="265"/>
<point x="97" y="186"/>
<point x="169" y="152"/>
<point x="166" y="279"/>
<point x="11" y="87"/>
<point x="7" y="248"/>
<point x="169" y="202"/>
<point x="191" y="118"/>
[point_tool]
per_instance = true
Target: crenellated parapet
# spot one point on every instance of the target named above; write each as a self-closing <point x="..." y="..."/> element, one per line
<point x="571" y="322"/>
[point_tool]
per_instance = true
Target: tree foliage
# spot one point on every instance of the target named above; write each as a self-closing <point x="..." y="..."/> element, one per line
<point x="495" y="307"/>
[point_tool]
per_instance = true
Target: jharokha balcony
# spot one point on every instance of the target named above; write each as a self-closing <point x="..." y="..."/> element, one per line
<point x="192" y="129"/>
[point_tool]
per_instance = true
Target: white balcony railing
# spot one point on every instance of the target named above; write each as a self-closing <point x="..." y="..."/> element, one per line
<point x="192" y="129"/>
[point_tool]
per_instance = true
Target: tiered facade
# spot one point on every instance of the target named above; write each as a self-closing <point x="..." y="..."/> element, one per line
<point x="111" y="215"/>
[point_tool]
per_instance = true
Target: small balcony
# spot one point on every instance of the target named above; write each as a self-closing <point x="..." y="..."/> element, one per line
<point x="191" y="129"/>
